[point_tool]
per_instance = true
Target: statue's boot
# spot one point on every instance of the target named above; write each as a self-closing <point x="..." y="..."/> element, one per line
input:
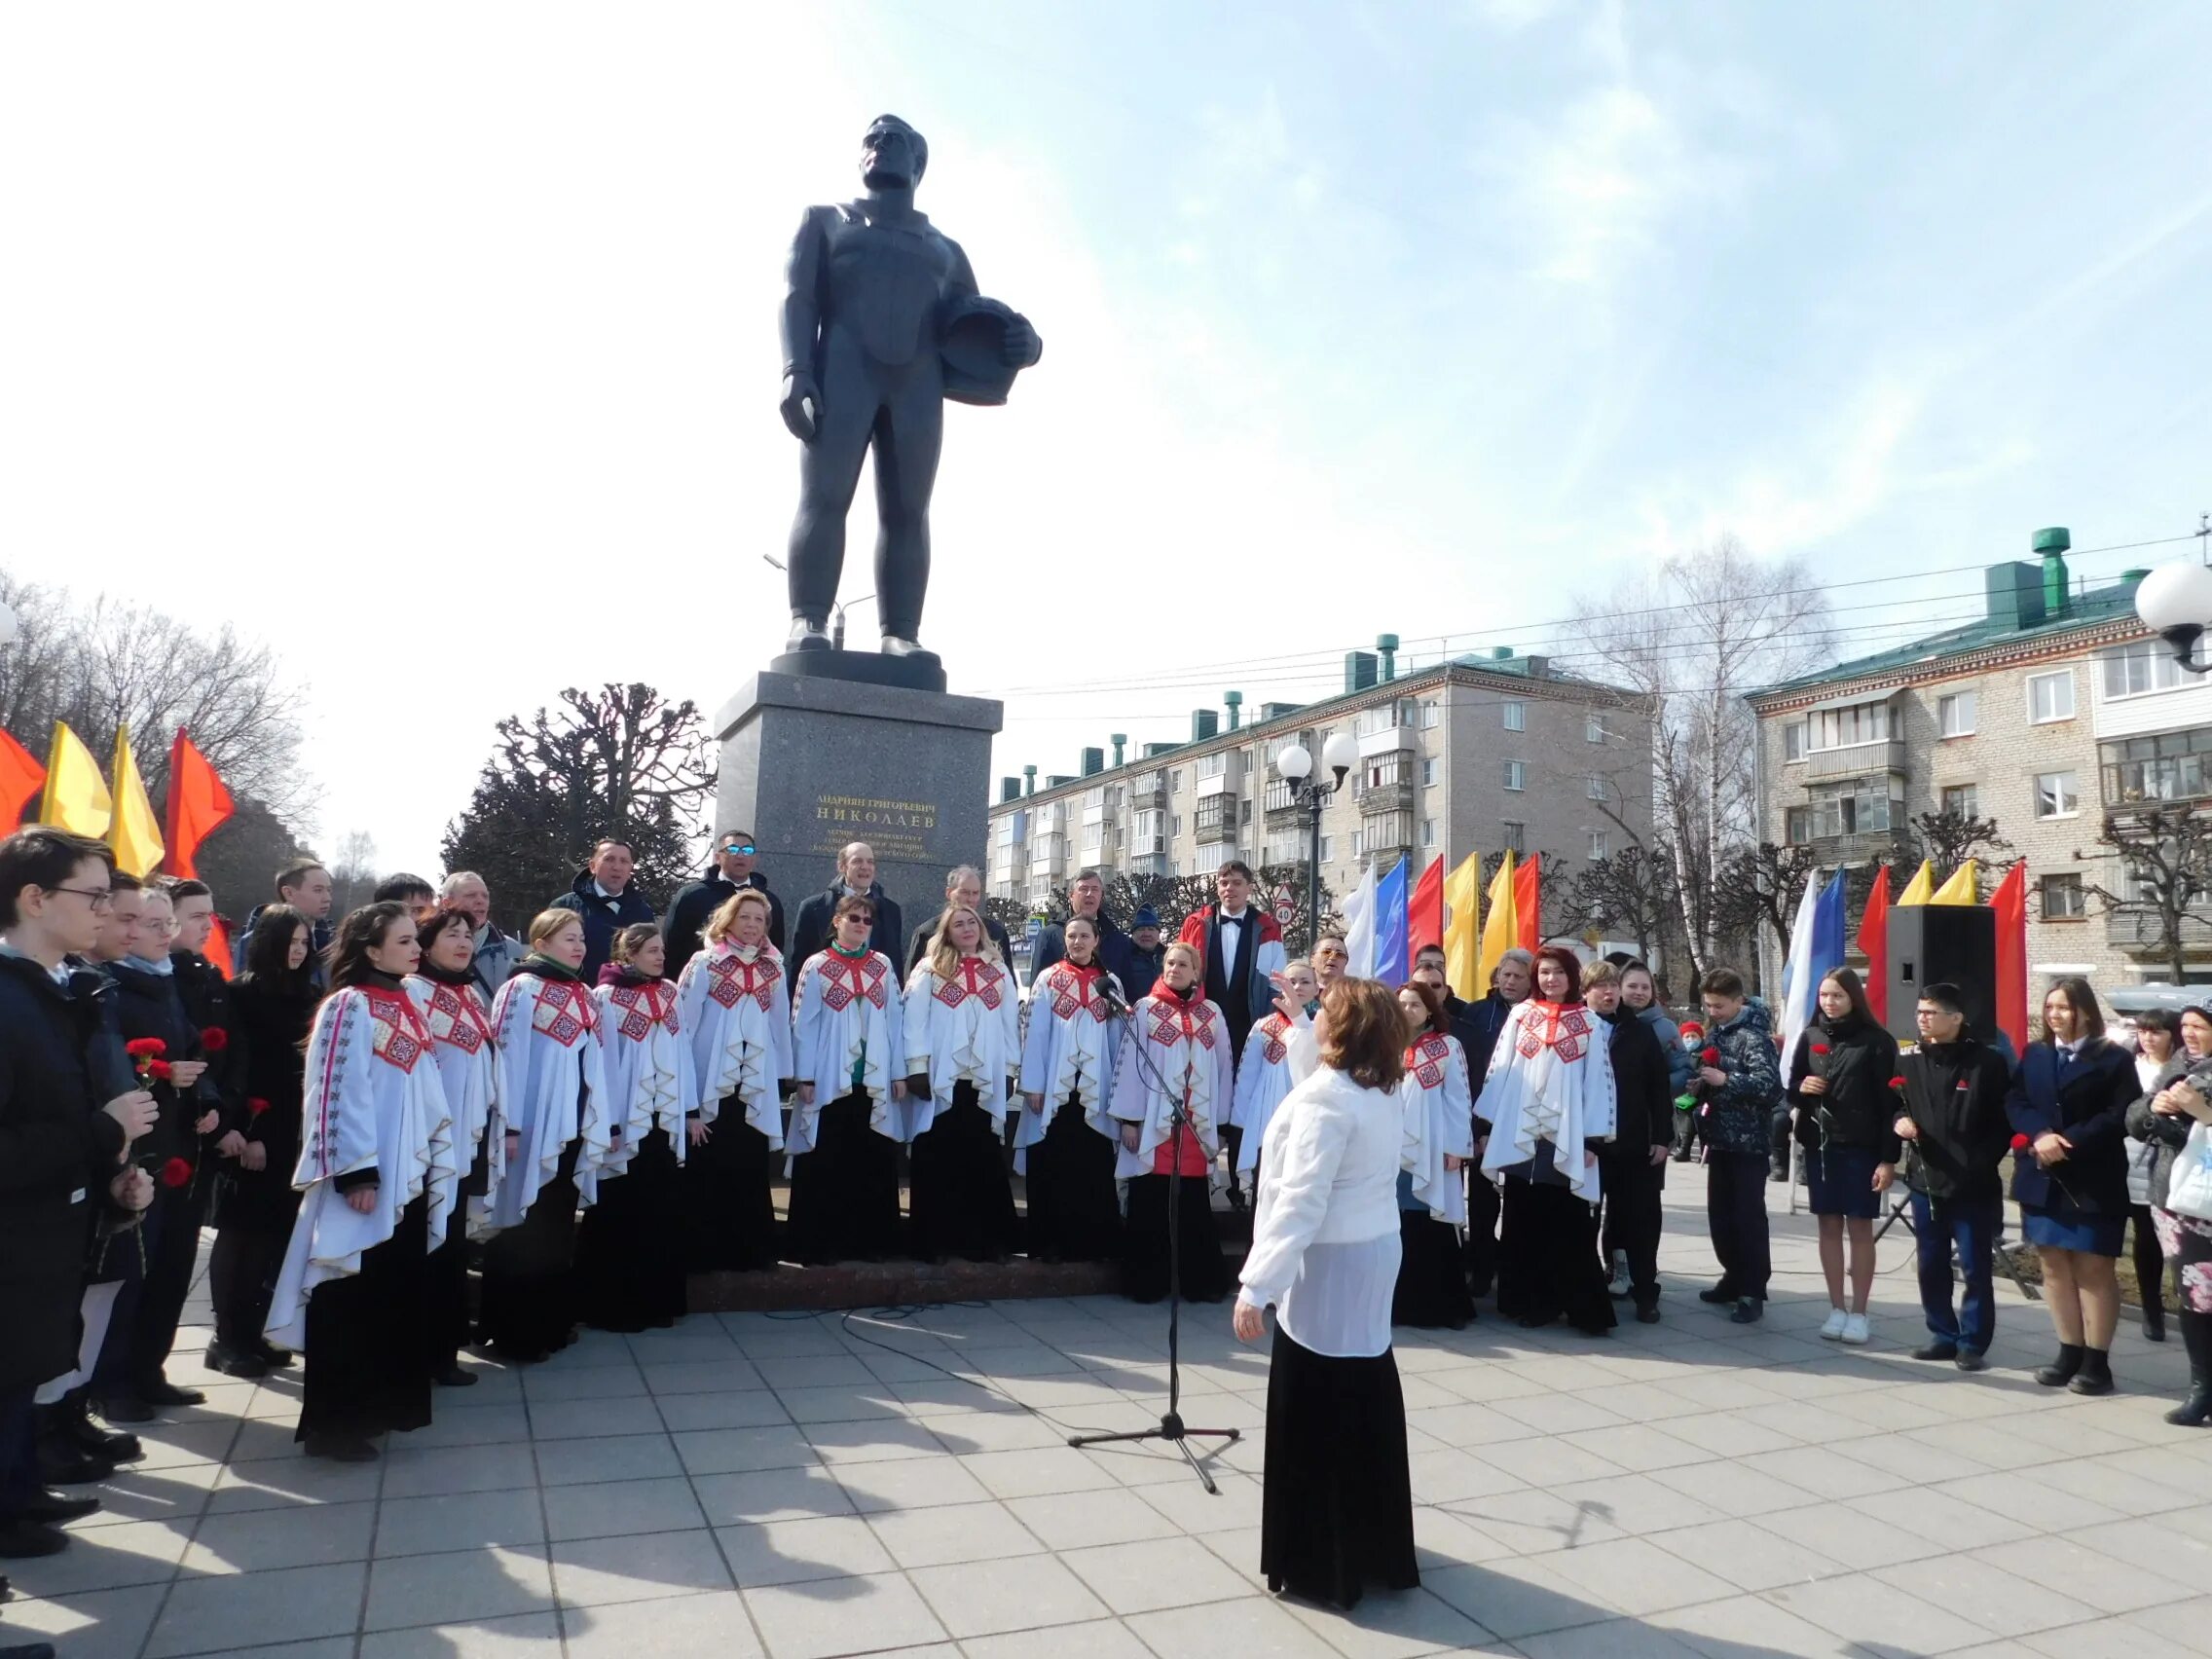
<point x="897" y="645"/>
<point x="808" y="634"/>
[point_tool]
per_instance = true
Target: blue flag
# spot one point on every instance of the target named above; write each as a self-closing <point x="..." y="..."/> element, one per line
<point x="1816" y="945"/>
<point x="1390" y="926"/>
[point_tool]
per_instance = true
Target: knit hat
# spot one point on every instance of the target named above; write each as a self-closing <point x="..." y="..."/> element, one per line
<point x="1146" y="918"/>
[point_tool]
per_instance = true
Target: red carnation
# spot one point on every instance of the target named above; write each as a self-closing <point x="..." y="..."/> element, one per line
<point x="1897" y="1084"/>
<point x="160" y="1071"/>
<point x="213" y="1039"/>
<point x="145" y="1048"/>
<point x="2021" y="1143"/>
<point x="1711" y="1057"/>
<point x="1819" y="1047"/>
<point x="255" y="1106"/>
<point x="177" y="1173"/>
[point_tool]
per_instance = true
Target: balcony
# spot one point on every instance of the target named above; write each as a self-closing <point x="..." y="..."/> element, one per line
<point x="2140" y="932"/>
<point x="1388" y="741"/>
<point x="1282" y="803"/>
<point x="1856" y="848"/>
<point x="1148" y="795"/>
<point x="1395" y="794"/>
<point x="1149" y="863"/>
<point x="1856" y="759"/>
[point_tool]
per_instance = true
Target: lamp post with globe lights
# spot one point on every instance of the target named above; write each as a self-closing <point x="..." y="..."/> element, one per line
<point x="2175" y="602"/>
<point x="1295" y="765"/>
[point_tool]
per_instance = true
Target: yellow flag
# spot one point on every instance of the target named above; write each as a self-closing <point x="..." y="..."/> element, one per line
<point x="1918" y="890"/>
<point x="1463" y="934"/>
<point x="1501" y="929"/>
<point x="137" y="834"/>
<point x="1959" y="889"/>
<point x="76" y="795"/>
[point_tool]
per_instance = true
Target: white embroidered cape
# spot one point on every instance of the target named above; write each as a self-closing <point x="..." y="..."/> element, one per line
<point x="1440" y="1123"/>
<point x="1188" y="1045"/>
<point x="732" y="1005"/>
<point x="550" y="1082"/>
<point x="963" y="1029"/>
<point x="1551" y="1078"/>
<point x="461" y="1033"/>
<point x="1069" y="1049"/>
<point x="648" y="1067"/>
<point x="848" y="1015"/>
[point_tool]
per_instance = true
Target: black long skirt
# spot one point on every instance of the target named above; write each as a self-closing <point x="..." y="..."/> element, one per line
<point x="729" y="1211"/>
<point x="845" y="1192"/>
<point x="1547" y="1258"/>
<point x="1336" y="1502"/>
<point x="366" y="1374"/>
<point x="529" y="1289"/>
<point x="962" y="1203"/>
<point x="1075" y="1214"/>
<point x="1144" y="1243"/>
<point x="1431" y="1291"/>
<point x="629" y="1273"/>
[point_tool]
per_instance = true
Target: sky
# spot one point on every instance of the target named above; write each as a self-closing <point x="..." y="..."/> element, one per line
<point x="437" y="344"/>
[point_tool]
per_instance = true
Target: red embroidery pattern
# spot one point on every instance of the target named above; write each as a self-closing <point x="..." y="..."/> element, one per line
<point x="730" y="977"/>
<point x="458" y="1020"/>
<point x="1565" y="1031"/>
<point x="1426" y="1059"/>
<point x="1173" y="1023"/>
<point x="400" y="1035"/>
<point x="1071" y="994"/>
<point x="976" y="978"/>
<point x="844" y="979"/>
<point x="564" y="1012"/>
<point x="1271" y="1030"/>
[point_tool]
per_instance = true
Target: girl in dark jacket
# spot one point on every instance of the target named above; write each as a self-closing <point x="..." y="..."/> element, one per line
<point x="2069" y="1102"/>
<point x="2160" y="1121"/>
<point x="1845" y="1112"/>
<point x="255" y="1205"/>
<point x="1633" y="1165"/>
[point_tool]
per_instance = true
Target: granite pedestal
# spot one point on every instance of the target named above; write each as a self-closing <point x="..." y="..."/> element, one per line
<point x="810" y="762"/>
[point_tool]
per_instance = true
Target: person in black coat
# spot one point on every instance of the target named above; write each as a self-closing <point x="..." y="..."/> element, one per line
<point x="61" y="1151"/>
<point x="696" y="901"/>
<point x="1145" y="957"/>
<point x="1085" y="895"/>
<point x="1632" y="1167"/>
<point x="811" y="928"/>
<point x="2177" y="1096"/>
<point x="2069" y="1104"/>
<point x="963" y="890"/>
<point x="1843" y="1108"/>
<point x="607" y="899"/>
<point x="1952" y="1116"/>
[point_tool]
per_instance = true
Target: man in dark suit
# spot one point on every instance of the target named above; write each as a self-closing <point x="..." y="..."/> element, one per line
<point x="856" y="874"/>
<point x="963" y="886"/>
<point x="1242" y="948"/>
<point x="1085" y="895"/>
<point x="696" y="901"/>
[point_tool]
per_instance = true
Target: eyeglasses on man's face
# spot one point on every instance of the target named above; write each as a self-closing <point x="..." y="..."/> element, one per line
<point x="99" y="898"/>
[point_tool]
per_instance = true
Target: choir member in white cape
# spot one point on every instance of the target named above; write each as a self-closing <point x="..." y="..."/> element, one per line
<point x="1337" y="1510"/>
<point x="454" y="1011"/>
<point x="1432" y="1193"/>
<point x="1265" y="1077"/>
<point x="735" y="1010"/>
<point x="1186" y="1042"/>
<point x="551" y="1087"/>
<point x="375" y="1168"/>
<point x="849" y="1061"/>
<point x="1065" y="1144"/>
<point x="630" y="1268"/>
<point x="1549" y="1098"/>
<point x="963" y="1045"/>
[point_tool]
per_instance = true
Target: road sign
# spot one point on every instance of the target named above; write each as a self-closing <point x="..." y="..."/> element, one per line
<point x="1286" y="905"/>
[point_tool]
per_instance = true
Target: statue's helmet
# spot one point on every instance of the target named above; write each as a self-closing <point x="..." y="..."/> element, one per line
<point x="892" y="151"/>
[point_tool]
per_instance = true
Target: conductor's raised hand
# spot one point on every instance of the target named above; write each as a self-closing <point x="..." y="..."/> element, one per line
<point x="801" y="407"/>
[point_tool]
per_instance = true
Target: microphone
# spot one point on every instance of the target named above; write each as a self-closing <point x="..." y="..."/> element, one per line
<point x="1109" y="993"/>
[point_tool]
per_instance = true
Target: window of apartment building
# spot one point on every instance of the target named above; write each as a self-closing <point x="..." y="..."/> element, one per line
<point x="1244" y="811"/>
<point x="1515" y="715"/>
<point x="1175" y="781"/>
<point x="1212" y="857"/>
<point x="1369" y="722"/>
<point x="1954" y="715"/>
<point x="2173" y="765"/>
<point x="2056" y="795"/>
<point x="1597" y="843"/>
<point x="1796" y="826"/>
<point x="1963" y="800"/>
<point x="1328" y="848"/>
<point x="2051" y="696"/>
<point x="2063" y="900"/>
<point x="1427" y="773"/>
<point x="1517" y="774"/>
<point x="1514" y="836"/>
<point x="1859" y="807"/>
<point x="2146" y="666"/>
<point x="1175" y="824"/>
<point x="1213" y="765"/>
<point x="1359" y="843"/>
<point x="1594" y="787"/>
<point x="1431" y="714"/>
<point x="1428" y="832"/>
<point x="1592" y="728"/>
<point x="1794" y="738"/>
<point x="1150" y="831"/>
<point x="1859" y="722"/>
<point x="1091" y="837"/>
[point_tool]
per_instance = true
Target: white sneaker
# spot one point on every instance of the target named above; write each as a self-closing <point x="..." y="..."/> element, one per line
<point x="1855" y="1331"/>
<point x="1833" y="1330"/>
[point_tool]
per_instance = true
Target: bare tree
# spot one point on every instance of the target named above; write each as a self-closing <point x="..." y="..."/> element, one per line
<point x="354" y="874"/>
<point x="1629" y="894"/>
<point x="1761" y="886"/>
<point x="2168" y="853"/>
<point x="1707" y="629"/>
<point x="1947" y="839"/>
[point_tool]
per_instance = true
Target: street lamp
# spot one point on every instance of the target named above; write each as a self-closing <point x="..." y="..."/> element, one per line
<point x="836" y="608"/>
<point x="1295" y="765"/>
<point x="2175" y="602"/>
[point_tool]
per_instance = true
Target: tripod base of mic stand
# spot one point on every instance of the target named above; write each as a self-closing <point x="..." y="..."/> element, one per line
<point x="1170" y="1430"/>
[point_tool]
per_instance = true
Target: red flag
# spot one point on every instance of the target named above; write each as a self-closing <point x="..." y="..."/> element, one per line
<point x="1424" y="911"/>
<point x="21" y="777"/>
<point x="2010" y="903"/>
<point x="198" y="805"/>
<point x="1874" y="946"/>
<point x="1528" y="902"/>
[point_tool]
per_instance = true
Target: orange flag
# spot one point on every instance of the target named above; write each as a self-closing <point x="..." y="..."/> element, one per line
<point x="21" y="779"/>
<point x="1874" y="941"/>
<point x="217" y="950"/>
<point x="1528" y="902"/>
<point x="1424" y="911"/>
<point x="197" y="806"/>
<point x="2010" y="903"/>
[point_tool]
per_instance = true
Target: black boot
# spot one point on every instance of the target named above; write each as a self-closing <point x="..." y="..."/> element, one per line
<point x="2060" y="1371"/>
<point x="2096" y="1374"/>
<point x="2197" y="1336"/>
<point x="95" y="1438"/>
<point x="61" y="1461"/>
<point x="2154" y="1315"/>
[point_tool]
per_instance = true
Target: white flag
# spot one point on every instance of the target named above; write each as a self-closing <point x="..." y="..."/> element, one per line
<point x="1359" y="925"/>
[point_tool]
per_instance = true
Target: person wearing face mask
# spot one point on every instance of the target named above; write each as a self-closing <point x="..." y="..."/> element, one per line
<point x="814" y="929"/>
<point x="378" y="1180"/>
<point x="1838" y="1086"/>
<point x="730" y="1007"/>
<point x="848" y="1112"/>
<point x="550" y="1084"/>
<point x="1064" y="1147"/>
<point x="2070" y="1100"/>
<point x="735" y="869"/>
<point x="459" y="1022"/>
<point x="255" y="1205"/>
<point x="1185" y="1038"/>
<point x="1633" y="1165"/>
<point x="630" y="1270"/>
<point x="606" y="896"/>
<point x="963" y="1045"/>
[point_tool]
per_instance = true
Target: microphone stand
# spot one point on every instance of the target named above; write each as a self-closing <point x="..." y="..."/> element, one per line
<point x="1171" y="1425"/>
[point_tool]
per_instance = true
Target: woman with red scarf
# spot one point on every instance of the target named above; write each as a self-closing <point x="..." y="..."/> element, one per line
<point x="1176" y="1055"/>
<point x="1065" y="1144"/>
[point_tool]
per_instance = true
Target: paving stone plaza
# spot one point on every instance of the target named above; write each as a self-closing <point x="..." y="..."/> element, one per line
<point x="818" y="1485"/>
